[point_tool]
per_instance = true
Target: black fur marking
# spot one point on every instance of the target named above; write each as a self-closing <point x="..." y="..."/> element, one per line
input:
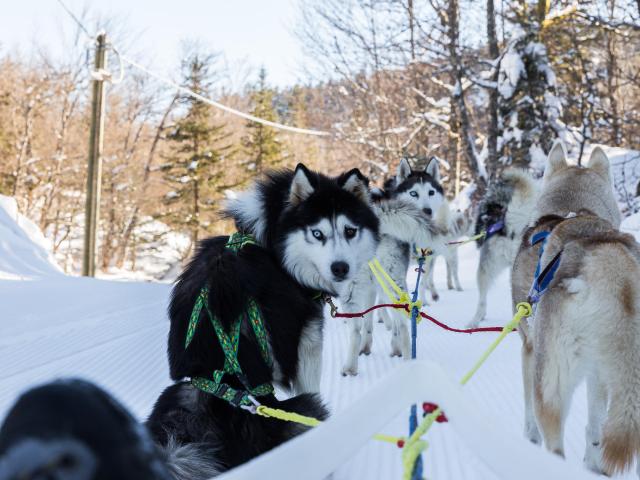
<point x="493" y="208"/>
<point x="418" y="177"/>
<point x="55" y="417"/>
<point x="229" y="435"/>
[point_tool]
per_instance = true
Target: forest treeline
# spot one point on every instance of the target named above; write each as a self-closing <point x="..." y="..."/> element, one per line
<point x="479" y="85"/>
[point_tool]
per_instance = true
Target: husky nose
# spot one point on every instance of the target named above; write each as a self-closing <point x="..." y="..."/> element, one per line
<point x="340" y="270"/>
<point x="428" y="211"/>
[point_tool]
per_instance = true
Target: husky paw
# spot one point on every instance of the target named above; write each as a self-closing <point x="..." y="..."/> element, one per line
<point x="532" y="433"/>
<point x="366" y="350"/>
<point x="450" y="287"/>
<point x="435" y="297"/>
<point x="592" y="463"/>
<point x="349" y="370"/>
<point x="459" y="289"/>
<point x="593" y="454"/>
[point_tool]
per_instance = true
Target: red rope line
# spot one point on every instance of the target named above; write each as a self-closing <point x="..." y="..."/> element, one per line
<point x="404" y="306"/>
<point x="423" y="315"/>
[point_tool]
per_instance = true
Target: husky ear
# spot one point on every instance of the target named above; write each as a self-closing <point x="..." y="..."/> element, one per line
<point x="356" y="183"/>
<point x="404" y="170"/>
<point x="301" y="187"/>
<point x="599" y="163"/>
<point x="557" y="160"/>
<point x="433" y="169"/>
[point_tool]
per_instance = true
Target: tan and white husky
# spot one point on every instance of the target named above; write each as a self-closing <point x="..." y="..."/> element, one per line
<point x="587" y="323"/>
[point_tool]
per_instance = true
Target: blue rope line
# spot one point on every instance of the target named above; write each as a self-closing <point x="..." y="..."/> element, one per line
<point x="413" y="416"/>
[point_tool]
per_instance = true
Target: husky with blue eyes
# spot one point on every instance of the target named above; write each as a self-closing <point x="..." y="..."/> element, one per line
<point x="406" y="209"/>
<point x="302" y="236"/>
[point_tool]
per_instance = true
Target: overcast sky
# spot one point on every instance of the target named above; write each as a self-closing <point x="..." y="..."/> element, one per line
<point x="256" y="30"/>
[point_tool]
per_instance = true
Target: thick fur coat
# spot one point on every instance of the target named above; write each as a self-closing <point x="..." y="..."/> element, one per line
<point x="587" y="323"/>
<point x="511" y="200"/>
<point x="312" y="233"/>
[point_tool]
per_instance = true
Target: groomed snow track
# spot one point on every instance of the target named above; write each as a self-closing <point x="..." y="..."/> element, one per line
<point x="114" y="333"/>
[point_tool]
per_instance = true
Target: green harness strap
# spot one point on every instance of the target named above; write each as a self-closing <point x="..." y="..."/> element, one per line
<point x="230" y="343"/>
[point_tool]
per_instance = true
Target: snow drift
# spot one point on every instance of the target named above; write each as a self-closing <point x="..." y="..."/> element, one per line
<point x="24" y="251"/>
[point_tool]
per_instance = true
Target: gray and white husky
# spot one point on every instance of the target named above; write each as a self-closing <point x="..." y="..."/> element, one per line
<point x="505" y="212"/>
<point x="406" y="213"/>
<point x="445" y="225"/>
<point x="587" y="323"/>
<point x="448" y="226"/>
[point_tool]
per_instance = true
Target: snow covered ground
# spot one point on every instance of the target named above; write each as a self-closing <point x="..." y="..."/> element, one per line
<point x="114" y="333"/>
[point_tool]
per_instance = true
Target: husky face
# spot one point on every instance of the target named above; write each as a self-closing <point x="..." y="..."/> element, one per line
<point x="329" y="229"/>
<point x="570" y="189"/>
<point x="321" y="229"/>
<point x="420" y="188"/>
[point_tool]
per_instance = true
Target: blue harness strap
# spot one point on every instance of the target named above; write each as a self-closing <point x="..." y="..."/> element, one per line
<point x="542" y="279"/>
<point x="495" y="228"/>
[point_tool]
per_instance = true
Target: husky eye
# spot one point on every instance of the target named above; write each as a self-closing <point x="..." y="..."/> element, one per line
<point x="413" y="193"/>
<point x="317" y="234"/>
<point x="432" y="193"/>
<point x="350" y="232"/>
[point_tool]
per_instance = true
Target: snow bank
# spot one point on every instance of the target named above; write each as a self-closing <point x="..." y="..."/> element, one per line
<point x="337" y="440"/>
<point x="24" y="251"/>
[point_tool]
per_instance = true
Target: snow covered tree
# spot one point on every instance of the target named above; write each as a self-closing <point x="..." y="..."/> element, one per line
<point x="197" y="150"/>
<point x="528" y="108"/>
<point x="261" y="143"/>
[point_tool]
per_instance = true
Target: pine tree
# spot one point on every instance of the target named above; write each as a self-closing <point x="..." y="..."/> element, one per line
<point x="528" y="106"/>
<point x="197" y="146"/>
<point x="261" y="144"/>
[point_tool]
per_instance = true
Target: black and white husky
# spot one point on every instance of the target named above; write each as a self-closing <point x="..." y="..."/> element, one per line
<point x="424" y="190"/>
<point x="313" y="234"/>
<point x="406" y="210"/>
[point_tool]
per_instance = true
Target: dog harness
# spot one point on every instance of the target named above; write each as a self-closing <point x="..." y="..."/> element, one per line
<point x="229" y="343"/>
<point x="541" y="280"/>
<point x="495" y="228"/>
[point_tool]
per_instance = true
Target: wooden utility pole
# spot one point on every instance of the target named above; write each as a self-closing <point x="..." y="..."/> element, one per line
<point x="94" y="173"/>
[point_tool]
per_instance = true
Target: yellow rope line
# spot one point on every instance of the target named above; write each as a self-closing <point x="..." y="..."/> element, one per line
<point x="414" y="445"/>
<point x="470" y="239"/>
<point x="388" y="278"/>
<point x="269" y="412"/>
<point x="523" y="310"/>
<point x="384" y="286"/>
<point x="410" y="454"/>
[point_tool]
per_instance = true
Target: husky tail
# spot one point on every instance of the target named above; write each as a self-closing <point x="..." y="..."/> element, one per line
<point x="619" y="354"/>
<point x="621" y="433"/>
<point x="189" y="461"/>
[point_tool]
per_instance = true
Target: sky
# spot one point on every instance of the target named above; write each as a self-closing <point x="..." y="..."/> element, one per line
<point x="257" y="32"/>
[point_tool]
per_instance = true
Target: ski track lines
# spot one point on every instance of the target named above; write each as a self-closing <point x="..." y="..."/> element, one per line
<point x="115" y="335"/>
<point x="121" y="349"/>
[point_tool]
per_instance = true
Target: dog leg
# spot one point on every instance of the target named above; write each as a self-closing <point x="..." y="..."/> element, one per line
<point x="448" y="259"/>
<point x="405" y="340"/>
<point x="367" y="338"/>
<point x="351" y="364"/>
<point x="597" y="404"/>
<point x="550" y="412"/>
<point x="490" y="265"/>
<point x="387" y="318"/>
<point x="309" y="359"/>
<point x="530" y="426"/>
<point x="555" y="373"/>
<point x="453" y="262"/>
<point x="429" y="265"/>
